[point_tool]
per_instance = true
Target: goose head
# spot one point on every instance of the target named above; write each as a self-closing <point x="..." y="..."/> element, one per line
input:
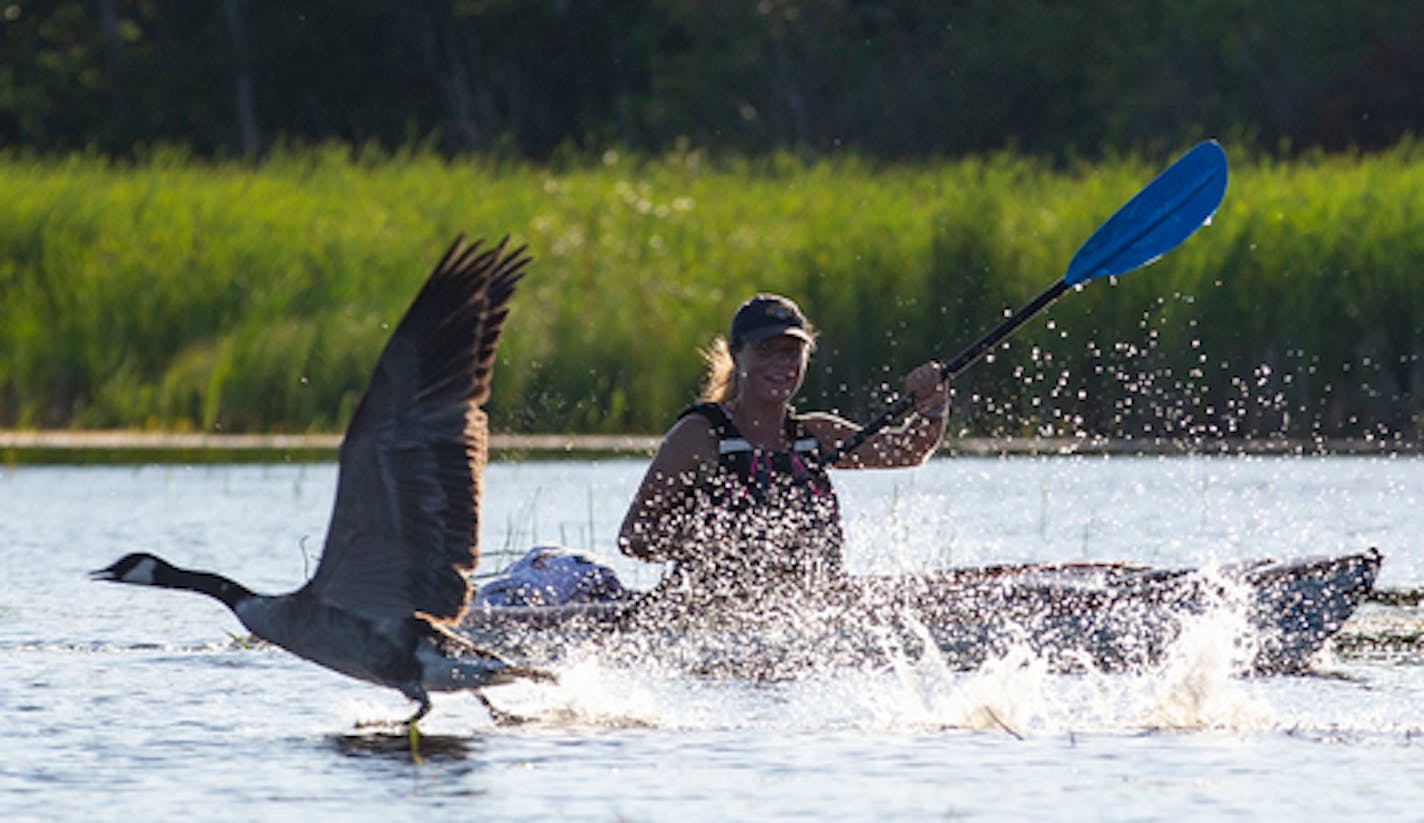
<point x="143" y="569"/>
<point x="138" y="568"/>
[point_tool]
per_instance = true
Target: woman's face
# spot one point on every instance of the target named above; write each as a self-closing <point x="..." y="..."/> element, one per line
<point x="771" y="370"/>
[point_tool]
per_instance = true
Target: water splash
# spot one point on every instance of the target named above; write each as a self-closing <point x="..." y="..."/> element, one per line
<point x="1199" y="685"/>
<point x="1022" y="692"/>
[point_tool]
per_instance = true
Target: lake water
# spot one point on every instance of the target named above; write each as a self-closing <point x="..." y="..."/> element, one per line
<point x="125" y="703"/>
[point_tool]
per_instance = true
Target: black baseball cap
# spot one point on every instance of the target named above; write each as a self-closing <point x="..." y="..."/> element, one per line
<point x="766" y="316"/>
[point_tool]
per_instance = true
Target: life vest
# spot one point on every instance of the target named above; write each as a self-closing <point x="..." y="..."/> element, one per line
<point x="766" y="520"/>
<point x="756" y="468"/>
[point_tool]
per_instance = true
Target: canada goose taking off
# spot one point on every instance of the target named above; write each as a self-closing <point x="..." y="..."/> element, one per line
<point x="405" y="528"/>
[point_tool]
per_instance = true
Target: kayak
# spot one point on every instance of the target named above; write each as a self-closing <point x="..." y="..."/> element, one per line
<point x="1276" y="614"/>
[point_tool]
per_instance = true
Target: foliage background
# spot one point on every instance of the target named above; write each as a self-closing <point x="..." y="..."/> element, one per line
<point x="179" y="294"/>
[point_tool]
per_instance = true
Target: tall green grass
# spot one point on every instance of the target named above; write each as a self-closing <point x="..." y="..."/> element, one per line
<point x="177" y="294"/>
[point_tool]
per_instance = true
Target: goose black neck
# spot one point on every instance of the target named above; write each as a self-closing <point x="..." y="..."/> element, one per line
<point x="230" y="592"/>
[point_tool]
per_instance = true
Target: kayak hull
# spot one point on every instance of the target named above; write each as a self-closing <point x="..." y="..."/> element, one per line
<point x="1108" y="616"/>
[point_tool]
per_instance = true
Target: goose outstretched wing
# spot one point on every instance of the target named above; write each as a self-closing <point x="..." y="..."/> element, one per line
<point x="405" y="527"/>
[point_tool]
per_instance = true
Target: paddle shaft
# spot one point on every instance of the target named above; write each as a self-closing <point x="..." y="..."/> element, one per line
<point x="951" y="369"/>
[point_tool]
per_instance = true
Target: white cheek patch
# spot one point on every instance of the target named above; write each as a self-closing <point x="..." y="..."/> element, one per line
<point x="142" y="573"/>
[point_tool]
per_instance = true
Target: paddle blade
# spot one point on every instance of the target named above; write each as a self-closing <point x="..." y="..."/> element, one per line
<point x="1178" y="202"/>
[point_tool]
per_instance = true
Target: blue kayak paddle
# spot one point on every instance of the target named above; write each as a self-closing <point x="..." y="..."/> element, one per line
<point x="1175" y="204"/>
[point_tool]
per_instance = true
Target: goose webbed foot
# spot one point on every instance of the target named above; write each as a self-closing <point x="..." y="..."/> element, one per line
<point x="500" y="716"/>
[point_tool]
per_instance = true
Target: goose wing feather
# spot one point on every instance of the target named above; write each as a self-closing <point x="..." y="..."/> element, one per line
<point x="405" y="527"/>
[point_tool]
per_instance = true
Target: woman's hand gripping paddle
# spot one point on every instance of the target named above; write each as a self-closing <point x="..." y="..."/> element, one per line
<point x="1175" y="204"/>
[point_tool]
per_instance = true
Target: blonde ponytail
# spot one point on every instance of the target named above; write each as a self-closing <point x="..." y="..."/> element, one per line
<point x="719" y="383"/>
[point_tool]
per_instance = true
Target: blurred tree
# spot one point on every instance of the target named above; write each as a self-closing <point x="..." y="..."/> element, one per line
<point x="242" y="75"/>
<point x="892" y="78"/>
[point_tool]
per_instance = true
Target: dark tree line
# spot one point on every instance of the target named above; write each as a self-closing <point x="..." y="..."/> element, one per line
<point x="532" y="78"/>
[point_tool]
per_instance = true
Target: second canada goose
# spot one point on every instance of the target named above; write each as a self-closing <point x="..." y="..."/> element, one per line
<point x="391" y="582"/>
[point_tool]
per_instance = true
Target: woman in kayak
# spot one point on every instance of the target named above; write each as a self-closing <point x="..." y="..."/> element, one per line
<point x="738" y="496"/>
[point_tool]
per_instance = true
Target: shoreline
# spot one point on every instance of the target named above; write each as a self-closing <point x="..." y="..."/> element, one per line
<point x="31" y="447"/>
